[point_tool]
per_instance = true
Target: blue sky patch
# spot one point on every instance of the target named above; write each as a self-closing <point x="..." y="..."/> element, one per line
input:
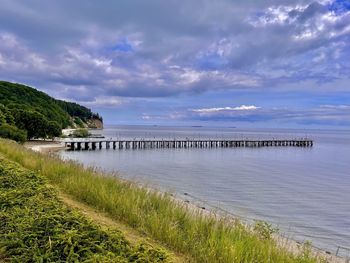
<point x="123" y="46"/>
<point x="339" y="6"/>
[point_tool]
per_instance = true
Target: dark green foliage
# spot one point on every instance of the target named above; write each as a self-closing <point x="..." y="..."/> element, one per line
<point x="2" y="118"/>
<point x="53" y="129"/>
<point x="6" y="115"/>
<point x="37" y="113"/>
<point x="17" y="96"/>
<point x="7" y="128"/>
<point x="33" y="122"/>
<point x="12" y="132"/>
<point x="77" y="110"/>
<point x="36" y="125"/>
<point x="36" y="227"/>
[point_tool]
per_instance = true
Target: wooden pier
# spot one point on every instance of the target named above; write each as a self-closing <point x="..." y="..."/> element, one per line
<point x="157" y="144"/>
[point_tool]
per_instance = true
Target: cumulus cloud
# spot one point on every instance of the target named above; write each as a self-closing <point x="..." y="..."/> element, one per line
<point x="100" y="53"/>
<point x="110" y="74"/>
<point x="214" y="46"/>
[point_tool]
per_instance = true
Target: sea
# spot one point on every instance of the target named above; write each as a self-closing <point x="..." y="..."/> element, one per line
<point x="304" y="192"/>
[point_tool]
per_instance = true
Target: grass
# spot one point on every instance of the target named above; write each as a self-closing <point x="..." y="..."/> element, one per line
<point x="36" y="227"/>
<point x="204" y="238"/>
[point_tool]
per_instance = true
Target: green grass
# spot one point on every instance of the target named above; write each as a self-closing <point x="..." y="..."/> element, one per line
<point x="36" y="227"/>
<point x="204" y="238"/>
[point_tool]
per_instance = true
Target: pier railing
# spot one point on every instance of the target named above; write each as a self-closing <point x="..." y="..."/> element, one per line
<point x="150" y="144"/>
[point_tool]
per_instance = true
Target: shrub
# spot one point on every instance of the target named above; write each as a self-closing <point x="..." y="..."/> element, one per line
<point x="81" y="133"/>
<point x="13" y="133"/>
<point x="264" y="230"/>
<point x="78" y="122"/>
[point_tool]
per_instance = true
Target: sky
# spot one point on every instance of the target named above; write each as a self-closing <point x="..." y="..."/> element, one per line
<point x="276" y="63"/>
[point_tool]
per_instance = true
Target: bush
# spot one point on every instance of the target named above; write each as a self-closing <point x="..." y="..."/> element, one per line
<point x="264" y="230"/>
<point x="13" y="133"/>
<point x="81" y="133"/>
<point x="78" y="122"/>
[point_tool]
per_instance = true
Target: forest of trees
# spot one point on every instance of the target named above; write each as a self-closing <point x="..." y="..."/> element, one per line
<point x="26" y="113"/>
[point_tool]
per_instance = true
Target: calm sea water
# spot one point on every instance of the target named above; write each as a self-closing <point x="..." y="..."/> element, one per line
<point x="303" y="191"/>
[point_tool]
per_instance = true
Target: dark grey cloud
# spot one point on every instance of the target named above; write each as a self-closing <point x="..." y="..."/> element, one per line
<point x="74" y="49"/>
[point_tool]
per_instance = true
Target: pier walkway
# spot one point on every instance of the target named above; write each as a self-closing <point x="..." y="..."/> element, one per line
<point x="153" y="144"/>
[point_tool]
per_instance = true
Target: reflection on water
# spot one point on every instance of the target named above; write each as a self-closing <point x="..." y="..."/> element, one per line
<point x="304" y="191"/>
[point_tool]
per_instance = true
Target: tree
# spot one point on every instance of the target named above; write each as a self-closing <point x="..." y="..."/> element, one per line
<point x="31" y="110"/>
<point x="13" y="133"/>
<point x="6" y="115"/>
<point x="2" y="118"/>
<point x="33" y="122"/>
<point x="53" y="129"/>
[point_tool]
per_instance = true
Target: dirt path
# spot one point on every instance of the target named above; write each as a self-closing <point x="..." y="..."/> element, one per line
<point x="106" y="222"/>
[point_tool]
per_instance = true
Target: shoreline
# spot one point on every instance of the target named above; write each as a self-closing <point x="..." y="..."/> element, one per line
<point x="43" y="146"/>
<point x="52" y="147"/>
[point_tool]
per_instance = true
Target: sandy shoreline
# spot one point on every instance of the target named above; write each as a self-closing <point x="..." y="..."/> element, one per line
<point x="50" y="147"/>
<point x="45" y="146"/>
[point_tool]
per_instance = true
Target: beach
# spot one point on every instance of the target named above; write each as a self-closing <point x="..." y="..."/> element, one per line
<point x="45" y="146"/>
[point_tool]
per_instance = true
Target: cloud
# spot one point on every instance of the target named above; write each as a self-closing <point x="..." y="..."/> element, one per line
<point x="324" y="114"/>
<point x="105" y="102"/>
<point x="239" y="108"/>
<point x="117" y="51"/>
<point x="340" y="107"/>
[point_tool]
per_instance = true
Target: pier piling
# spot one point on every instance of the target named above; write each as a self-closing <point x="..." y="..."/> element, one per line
<point x="156" y="144"/>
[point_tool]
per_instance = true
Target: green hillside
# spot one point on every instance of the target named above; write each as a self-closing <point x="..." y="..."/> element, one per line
<point x="29" y="113"/>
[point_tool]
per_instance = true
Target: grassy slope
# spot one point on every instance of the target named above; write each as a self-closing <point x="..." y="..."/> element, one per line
<point x="36" y="227"/>
<point x="106" y="222"/>
<point x="206" y="239"/>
